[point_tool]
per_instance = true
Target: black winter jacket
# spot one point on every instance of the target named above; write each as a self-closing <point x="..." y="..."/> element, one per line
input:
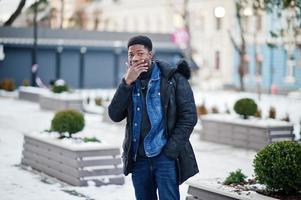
<point x="179" y="112"/>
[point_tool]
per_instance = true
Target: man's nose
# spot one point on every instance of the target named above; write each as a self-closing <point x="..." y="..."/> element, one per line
<point x="135" y="59"/>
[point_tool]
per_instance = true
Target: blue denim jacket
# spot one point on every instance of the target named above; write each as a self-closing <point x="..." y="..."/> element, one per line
<point x="156" y="137"/>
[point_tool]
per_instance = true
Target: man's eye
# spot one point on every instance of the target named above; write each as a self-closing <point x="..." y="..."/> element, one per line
<point x="140" y="54"/>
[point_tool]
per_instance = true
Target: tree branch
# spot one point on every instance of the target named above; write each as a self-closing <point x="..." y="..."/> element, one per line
<point x="234" y="43"/>
<point x="17" y="12"/>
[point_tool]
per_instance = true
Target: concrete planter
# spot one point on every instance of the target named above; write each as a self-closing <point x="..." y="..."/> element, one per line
<point x="209" y="189"/>
<point x="31" y="93"/>
<point x="62" y="101"/>
<point x="77" y="166"/>
<point x="7" y="94"/>
<point x="251" y="134"/>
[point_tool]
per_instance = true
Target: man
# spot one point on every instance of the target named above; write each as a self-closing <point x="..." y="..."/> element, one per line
<point x="158" y="104"/>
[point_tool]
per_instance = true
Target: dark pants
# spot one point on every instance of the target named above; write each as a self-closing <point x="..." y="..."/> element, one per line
<point x="150" y="174"/>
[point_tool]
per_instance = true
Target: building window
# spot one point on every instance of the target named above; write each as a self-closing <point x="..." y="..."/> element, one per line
<point x="218" y="24"/>
<point x="258" y="65"/>
<point x="217" y="60"/>
<point x="290" y="69"/>
<point x="259" y="23"/>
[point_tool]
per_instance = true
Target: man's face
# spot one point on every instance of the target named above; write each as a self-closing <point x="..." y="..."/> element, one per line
<point x="139" y="52"/>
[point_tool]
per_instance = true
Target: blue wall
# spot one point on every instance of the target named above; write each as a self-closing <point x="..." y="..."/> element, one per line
<point x="16" y="64"/>
<point x="70" y="67"/>
<point x="103" y="67"/>
<point x="277" y="61"/>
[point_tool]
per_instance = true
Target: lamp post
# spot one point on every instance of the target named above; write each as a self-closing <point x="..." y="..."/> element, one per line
<point x="219" y="13"/>
<point x="83" y="51"/>
<point x="62" y="14"/>
<point x="59" y="51"/>
<point x="34" y="66"/>
<point x="117" y="51"/>
<point x="2" y="55"/>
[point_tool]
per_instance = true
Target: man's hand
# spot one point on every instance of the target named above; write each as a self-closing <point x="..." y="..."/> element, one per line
<point x="134" y="70"/>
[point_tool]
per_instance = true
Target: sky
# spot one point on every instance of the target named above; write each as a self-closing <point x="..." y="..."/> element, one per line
<point x="7" y="7"/>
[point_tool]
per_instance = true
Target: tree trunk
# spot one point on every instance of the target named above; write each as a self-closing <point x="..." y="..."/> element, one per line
<point x="242" y="70"/>
<point x="62" y="13"/>
<point x="17" y="12"/>
<point x="241" y="78"/>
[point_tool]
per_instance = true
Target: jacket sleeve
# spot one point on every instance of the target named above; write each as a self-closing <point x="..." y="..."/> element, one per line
<point x="118" y="107"/>
<point x="186" y="118"/>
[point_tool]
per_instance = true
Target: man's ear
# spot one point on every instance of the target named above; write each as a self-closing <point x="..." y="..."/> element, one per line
<point x="151" y="54"/>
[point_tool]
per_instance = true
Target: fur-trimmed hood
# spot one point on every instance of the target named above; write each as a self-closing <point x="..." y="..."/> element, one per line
<point x="181" y="67"/>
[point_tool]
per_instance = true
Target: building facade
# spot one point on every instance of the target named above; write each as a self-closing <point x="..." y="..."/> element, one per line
<point x="211" y="23"/>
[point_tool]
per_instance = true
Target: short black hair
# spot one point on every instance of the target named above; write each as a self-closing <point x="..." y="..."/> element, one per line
<point x="141" y="39"/>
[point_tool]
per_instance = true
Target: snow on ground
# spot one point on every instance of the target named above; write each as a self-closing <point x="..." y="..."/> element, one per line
<point x="18" y="117"/>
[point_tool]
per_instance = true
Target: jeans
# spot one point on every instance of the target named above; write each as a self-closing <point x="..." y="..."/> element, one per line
<point x="150" y="174"/>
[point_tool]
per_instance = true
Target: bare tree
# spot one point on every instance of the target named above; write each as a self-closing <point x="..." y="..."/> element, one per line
<point x="258" y="10"/>
<point x="42" y="9"/>
<point x="15" y="14"/>
<point x="241" y="47"/>
<point x="184" y="14"/>
<point x="62" y="13"/>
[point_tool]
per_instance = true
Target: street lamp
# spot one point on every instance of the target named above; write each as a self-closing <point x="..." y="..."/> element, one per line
<point x="117" y="51"/>
<point x="219" y="13"/>
<point x="248" y="12"/>
<point x="34" y="66"/>
<point x="83" y="51"/>
<point x="2" y="55"/>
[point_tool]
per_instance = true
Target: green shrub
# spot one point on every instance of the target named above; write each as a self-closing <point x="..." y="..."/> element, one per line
<point x="70" y="121"/>
<point x="8" y="85"/>
<point x="245" y="107"/>
<point x="60" y="88"/>
<point x="258" y="113"/>
<point x="272" y="112"/>
<point x="236" y="177"/>
<point x="286" y="118"/>
<point x="278" y="166"/>
<point x="214" y="110"/>
<point x="25" y="83"/>
<point x="202" y="110"/>
<point x="98" y="101"/>
<point x="91" y="139"/>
